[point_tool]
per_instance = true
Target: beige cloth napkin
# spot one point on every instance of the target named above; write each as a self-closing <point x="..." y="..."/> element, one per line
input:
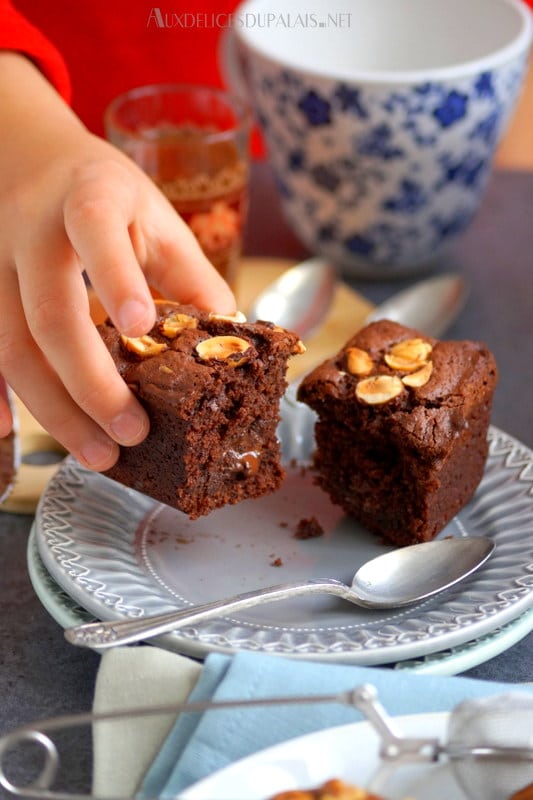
<point x="142" y="677"/>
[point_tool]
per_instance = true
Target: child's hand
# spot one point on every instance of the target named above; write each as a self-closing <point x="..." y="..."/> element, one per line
<point x="72" y="205"/>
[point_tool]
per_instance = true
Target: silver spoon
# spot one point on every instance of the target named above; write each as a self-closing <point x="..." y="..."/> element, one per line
<point x="395" y="579"/>
<point x="430" y="305"/>
<point x="301" y="298"/>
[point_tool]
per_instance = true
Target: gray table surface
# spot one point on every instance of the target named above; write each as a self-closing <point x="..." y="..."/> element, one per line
<point x="41" y="675"/>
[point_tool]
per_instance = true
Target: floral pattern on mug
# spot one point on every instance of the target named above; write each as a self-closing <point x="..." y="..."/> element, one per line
<point x="380" y="177"/>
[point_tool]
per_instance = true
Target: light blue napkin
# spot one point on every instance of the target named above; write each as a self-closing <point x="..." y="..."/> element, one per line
<point x="200" y="744"/>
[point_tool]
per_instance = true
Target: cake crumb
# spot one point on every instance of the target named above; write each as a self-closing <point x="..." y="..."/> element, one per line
<point x="308" y="529"/>
<point x="283" y="524"/>
<point x="277" y="562"/>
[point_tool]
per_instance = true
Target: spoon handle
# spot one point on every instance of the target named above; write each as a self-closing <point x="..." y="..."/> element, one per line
<point x="113" y="633"/>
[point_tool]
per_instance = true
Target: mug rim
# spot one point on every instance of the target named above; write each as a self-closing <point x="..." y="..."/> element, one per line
<point x="517" y="46"/>
<point x="241" y="108"/>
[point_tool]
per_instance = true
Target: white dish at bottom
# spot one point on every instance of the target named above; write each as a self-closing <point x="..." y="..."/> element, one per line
<point x="349" y="752"/>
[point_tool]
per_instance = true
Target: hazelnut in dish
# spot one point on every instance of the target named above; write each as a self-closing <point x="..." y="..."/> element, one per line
<point x="334" y="789"/>
<point x="402" y="428"/>
<point x="524" y="794"/>
<point x="211" y="386"/>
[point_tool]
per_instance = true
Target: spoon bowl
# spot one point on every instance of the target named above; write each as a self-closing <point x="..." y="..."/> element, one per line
<point x="429" y="306"/>
<point x="398" y="578"/>
<point x="414" y="573"/>
<point x="299" y="299"/>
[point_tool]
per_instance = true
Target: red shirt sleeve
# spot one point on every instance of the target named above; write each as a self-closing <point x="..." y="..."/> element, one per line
<point x="16" y="33"/>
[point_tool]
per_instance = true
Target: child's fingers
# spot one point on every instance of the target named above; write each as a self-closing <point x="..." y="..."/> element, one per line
<point x="99" y="212"/>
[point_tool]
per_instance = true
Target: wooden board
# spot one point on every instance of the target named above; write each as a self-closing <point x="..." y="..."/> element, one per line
<point x="347" y="313"/>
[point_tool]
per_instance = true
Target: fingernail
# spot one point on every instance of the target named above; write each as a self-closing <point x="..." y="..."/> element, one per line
<point x="129" y="427"/>
<point x="97" y="453"/>
<point x="132" y="314"/>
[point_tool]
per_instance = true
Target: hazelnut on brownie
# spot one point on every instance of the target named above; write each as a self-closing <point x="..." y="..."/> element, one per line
<point x="402" y="428"/>
<point x="211" y="386"/>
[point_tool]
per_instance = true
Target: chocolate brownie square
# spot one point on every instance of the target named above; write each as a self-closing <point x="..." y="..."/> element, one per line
<point x="211" y="386"/>
<point x="402" y="428"/>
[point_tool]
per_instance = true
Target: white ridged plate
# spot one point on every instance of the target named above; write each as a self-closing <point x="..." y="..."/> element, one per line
<point x="120" y="554"/>
<point x="67" y="613"/>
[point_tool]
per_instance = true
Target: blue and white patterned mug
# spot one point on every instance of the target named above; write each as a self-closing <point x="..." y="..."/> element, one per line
<point x="381" y="117"/>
